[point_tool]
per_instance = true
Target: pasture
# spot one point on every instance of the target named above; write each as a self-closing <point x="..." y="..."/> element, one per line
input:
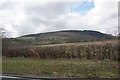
<point x="81" y="60"/>
<point x="60" y="68"/>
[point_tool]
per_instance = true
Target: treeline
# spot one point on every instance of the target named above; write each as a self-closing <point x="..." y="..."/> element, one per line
<point x="91" y="52"/>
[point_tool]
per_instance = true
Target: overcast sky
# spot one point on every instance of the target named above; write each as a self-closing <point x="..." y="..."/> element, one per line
<point x="21" y="18"/>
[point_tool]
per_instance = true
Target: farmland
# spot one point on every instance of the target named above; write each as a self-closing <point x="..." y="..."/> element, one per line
<point x="60" y="68"/>
<point x="82" y="60"/>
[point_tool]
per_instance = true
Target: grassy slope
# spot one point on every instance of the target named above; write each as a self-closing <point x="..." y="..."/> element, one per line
<point x="60" y="68"/>
<point x="70" y="36"/>
<point x="82" y="43"/>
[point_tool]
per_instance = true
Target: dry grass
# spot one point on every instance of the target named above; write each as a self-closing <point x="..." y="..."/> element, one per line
<point x="81" y="43"/>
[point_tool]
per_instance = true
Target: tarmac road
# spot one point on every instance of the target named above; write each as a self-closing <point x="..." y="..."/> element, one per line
<point x="18" y="78"/>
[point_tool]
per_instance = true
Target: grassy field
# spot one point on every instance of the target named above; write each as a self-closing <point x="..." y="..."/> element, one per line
<point x="81" y="60"/>
<point x="26" y="38"/>
<point x="60" y="68"/>
<point x="82" y="43"/>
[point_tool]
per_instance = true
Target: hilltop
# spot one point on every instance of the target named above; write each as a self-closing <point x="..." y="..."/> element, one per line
<point x="66" y="36"/>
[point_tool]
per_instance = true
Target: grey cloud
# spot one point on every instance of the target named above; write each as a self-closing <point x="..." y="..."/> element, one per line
<point x="44" y="14"/>
<point x="50" y="10"/>
<point x="51" y="16"/>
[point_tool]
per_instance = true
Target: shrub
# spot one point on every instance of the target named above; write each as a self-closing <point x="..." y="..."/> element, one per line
<point x="91" y="51"/>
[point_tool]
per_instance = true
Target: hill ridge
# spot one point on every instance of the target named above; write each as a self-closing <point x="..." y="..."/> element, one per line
<point x="66" y="36"/>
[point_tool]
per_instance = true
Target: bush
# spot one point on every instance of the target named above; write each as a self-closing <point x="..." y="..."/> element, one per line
<point x="93" y="51"/>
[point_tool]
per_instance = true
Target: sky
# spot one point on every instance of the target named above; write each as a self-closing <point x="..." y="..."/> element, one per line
<point x="32" y="16"/>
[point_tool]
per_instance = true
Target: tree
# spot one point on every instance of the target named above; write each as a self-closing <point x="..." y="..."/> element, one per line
<point x="2" y="32"/>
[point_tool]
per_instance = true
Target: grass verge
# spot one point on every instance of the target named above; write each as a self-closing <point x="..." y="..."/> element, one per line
<point x="60" y="68"/>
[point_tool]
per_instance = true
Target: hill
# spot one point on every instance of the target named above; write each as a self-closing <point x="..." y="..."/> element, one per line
<point x="67" y="36"/>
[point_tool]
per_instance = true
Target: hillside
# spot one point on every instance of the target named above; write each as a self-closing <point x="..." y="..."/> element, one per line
<point x="68" y="36"/>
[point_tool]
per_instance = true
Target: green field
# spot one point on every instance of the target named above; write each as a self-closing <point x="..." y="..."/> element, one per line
<point x="60" y="68"/>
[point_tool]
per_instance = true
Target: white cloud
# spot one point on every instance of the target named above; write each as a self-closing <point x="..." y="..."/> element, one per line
<point x="20" y="18"/>
<point x="104" y="15"/>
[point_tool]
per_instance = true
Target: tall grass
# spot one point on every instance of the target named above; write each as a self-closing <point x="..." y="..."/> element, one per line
<point x="89" y="51"/>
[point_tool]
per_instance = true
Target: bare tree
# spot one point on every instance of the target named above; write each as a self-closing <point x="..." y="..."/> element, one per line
<point x="2" y="32"/>
<point x="115" y="32"/>
<point x="112" y="31"/>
